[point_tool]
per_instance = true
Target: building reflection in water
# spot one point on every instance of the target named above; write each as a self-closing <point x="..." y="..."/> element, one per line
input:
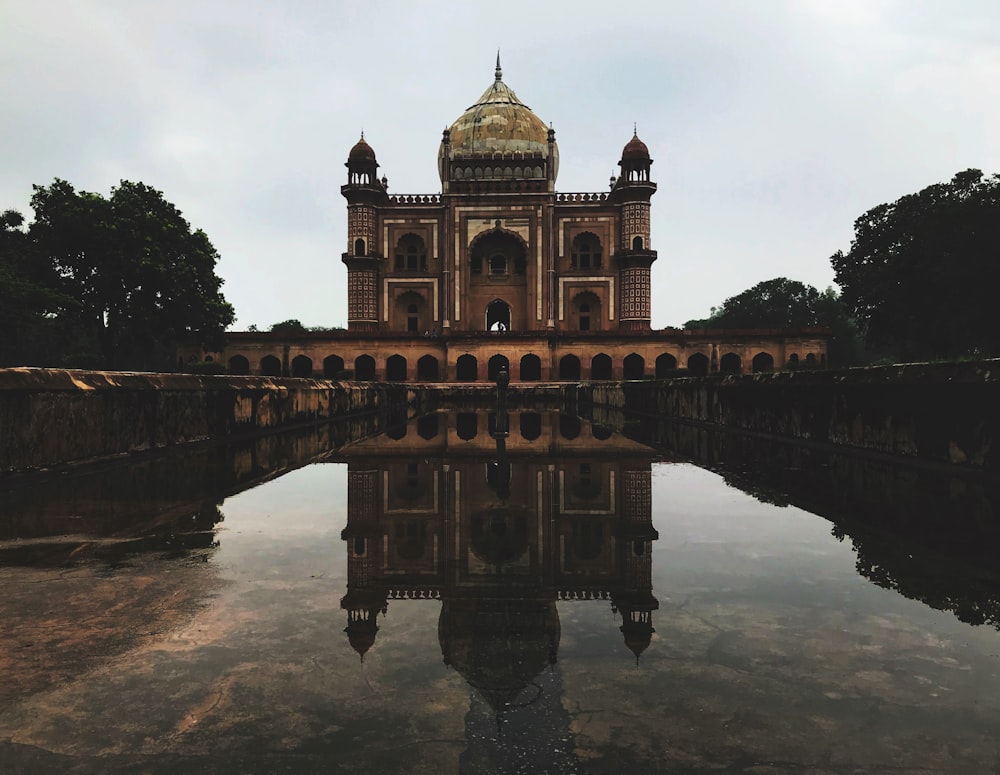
<point x="498" y="529"/>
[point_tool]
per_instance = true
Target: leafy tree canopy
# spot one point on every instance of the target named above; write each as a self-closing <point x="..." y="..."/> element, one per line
<point x="126" y="273"/>
<point x="922" y="272"/>
<point x="290" y="326"/>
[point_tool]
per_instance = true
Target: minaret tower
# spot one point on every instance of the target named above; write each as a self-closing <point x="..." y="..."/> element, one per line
<point x="364" y="192"/>
<point x="632" y="191"/>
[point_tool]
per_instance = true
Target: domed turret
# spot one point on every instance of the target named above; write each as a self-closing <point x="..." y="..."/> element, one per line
<point x="499" y="123"/>
<point x="361" y="164"/>
<point x="636" y="150"/>
<point x="635" y="162"/>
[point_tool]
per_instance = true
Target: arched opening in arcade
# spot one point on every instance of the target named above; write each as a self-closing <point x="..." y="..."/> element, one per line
<point x="666" y="364"/>
<point x="411" y="254"/>
<point x="494" y="365"/>
<point x="585" y="251"/>
<point x="467" y="368"/>
<point x="569" y="426"/>
<point x="333" y="366"/>
<point x="793" y="361"/>
<point x="410" y="313"/>
<point x="427" y="368"/>
<point x="395" y="368"/>
<point x="600" y="366"/>
<point x="531" y="368"/>
<point x="270" y="366"/>
<point x="634" y="366"/>
<point x="498" y="316"/>
<point x="698" y="365"/>
<point x="427" y="426"/>
<point x="239" y="364"/>
<point x="569" y="367"/>
<point x="531" y="425"/>
<point x="600" y="432"/>
<point x="364" y="368"/>
<point x="302" y="366"/>
<point x="359" y="247"/>
<point x="810" y="361"/>
<point x="762" y="363"/>
<point x="467" y="425"/>
<point x="397" y="431"/>
<point x="730" y="363"/>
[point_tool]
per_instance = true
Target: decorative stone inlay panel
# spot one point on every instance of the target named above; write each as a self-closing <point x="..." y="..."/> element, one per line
<point x="360" y="225"/>
<point x="637" y="489"/>
<point x="635" y="223"/>
<point x="635" y="294"/>
<point x="362" y="295"/>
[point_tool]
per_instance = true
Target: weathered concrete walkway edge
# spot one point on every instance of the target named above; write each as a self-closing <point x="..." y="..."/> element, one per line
<point x="53" y="417"/>
<point x="944" y="413"/>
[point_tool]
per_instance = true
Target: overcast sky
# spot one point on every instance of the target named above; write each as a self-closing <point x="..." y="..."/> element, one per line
<point x="773" y="124"/>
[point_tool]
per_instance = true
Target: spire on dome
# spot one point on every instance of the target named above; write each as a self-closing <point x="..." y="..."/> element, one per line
<point x="499" y="72"/>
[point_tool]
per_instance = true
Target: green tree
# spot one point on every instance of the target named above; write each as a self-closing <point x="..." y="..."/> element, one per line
<point x="141" y="279"/>
<point x="290" y="326"/>
<point x="922" y="272"/>
<point x="784" y="303"/>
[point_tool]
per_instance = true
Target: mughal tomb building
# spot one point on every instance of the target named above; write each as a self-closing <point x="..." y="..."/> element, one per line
<point x="500" y="269"/>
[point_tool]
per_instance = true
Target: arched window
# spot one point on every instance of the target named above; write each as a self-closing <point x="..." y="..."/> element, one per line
<point x="793" y="361"/>
<point x="634" y="366"/>
<point x="333" y="365"/>
<point x="637" y="243"/>
<point x="496" y="363"/>
<point x="531" y="368"/>
<point x="698" y="364"/>
<point x="270" y="366"/>
<point x="467" y="425"/>
<point x="410" y="313"/>
<point x="238" y="364"/>
<point x="730" y="363"/>
<point x="427" y="426"/>
<point x="569" y="367"/>
<point x="359" y="247"/>
<point x="585" y="312"/>
<point x="395" y="368"/>
<point x="585" y="251"/>
<point x="600" y="366"/>
<point x="600" y="432"/>
<point x="569" y="426"/>
<point x="364" y="368"/>
<point x="302" y="366"/>
<point x="531" y="425"/>
<point x="762" y="362"/>
<point x="665" y="365"/>
<point x="427" y="367"/>
<point x="411" y="254"/>
<point x="498" y="316"/>
<point x="467" y="368"/>
<point x="810" y="361"/>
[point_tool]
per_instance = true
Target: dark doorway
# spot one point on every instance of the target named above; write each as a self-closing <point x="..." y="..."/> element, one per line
<point x="531" y="368"/>
<point x="427" y="367"/>
<point x="665" y="364"/>
<point x="531" y="425"/>
<point x="427" y="426"/>
<point x="730" y="364"/>
<point x="634" y="367"/>
<point x="569" y="367"/>
<point x="239" y="365"/>
<point x="270" y="366"/>
<point x="302" y="366"/>
<point x="467" y="368"/>
<point x="569" y="426"/>
<point x="600" y="366"/>
<point x="395" y="368"/>
<point x="364" y="368"/>
<point x="496" y="363"/>
<point x="333" y="365"/>
<point x="698" y="365"/>
<point x="762" y="362"/>
<point x="467" y="425"/>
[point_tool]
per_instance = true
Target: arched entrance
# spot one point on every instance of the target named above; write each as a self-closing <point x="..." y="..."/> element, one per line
<point x="569" y="367"/>
<point x="665" y="364"/>
<point x="270" y="366"/>
<point x="634" y="367"/>
<point x="730" y="363"/>
<point x="302" y="366"/>
<point x="364" y="368"/>
<point x="531" y="368"/>
<point x="333" y="365"/>
<point x="427" y="367"/>
<point x="467" y="425"/>
<point x="498" y="316"/>
<point x="395" y="368"/>
<point x="585" y="312"/>
<point x="600" y="366"/>
<point x="239" y="365"/>
<point x="698" y="365"/>
<point x="762" y="362"/>
<point x="467" y="368"/>
<point x="496" y="363"/>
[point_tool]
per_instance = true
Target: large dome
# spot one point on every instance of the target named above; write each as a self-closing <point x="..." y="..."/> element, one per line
<point x="499" y="122"/>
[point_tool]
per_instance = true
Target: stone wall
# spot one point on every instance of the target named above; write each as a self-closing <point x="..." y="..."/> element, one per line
<point x="946" y="413"/>
<point x="52" y="417"/>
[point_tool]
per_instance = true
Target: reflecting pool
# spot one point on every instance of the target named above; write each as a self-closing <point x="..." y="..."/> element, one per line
<point x="444" y="598"/>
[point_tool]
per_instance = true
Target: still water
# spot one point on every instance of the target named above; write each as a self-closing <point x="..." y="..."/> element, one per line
<point x="566" y="600"/>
